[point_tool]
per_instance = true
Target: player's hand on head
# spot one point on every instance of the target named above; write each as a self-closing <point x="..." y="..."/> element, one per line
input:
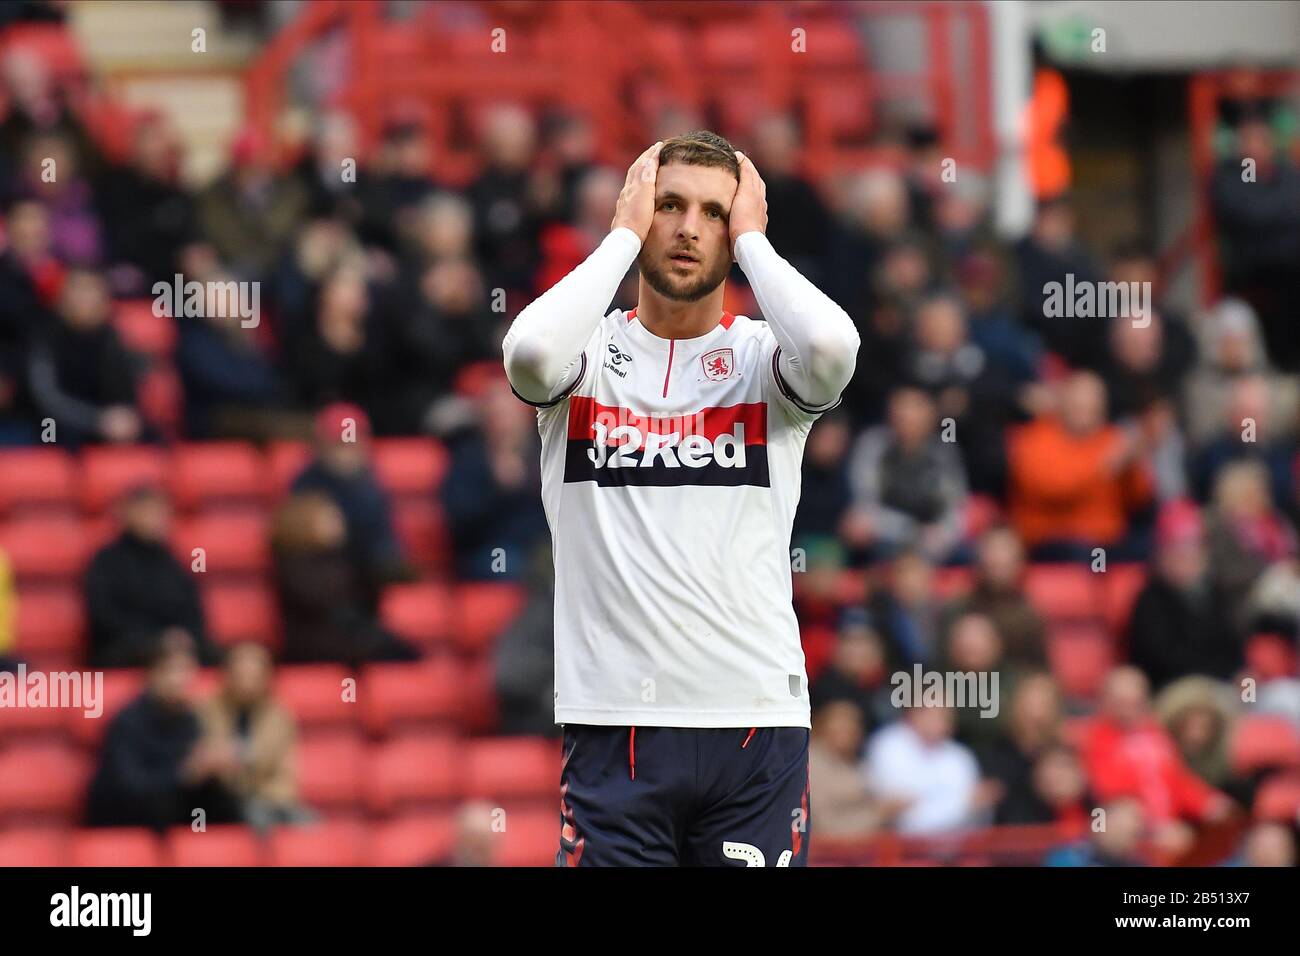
<point x="636" y="203"/>
<point x="749" y="207"/>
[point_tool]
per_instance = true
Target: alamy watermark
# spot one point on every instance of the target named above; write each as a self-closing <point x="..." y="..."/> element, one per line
<point x="75" y="690"/>
<point x="1098" y="300"/>
<point x="922" y="688"/>
<point x="213" y="300"/>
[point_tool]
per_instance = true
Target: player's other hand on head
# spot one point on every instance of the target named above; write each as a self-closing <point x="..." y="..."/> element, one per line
<point x="636" y="203"/>
<point x="749" y="207"/>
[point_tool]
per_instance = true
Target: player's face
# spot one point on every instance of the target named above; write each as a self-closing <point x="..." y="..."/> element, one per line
<point x="687" y="253"/>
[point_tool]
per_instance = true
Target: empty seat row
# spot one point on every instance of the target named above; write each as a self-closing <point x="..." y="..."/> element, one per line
<point x="526" y="838"/>
<point x="195" y="472"/>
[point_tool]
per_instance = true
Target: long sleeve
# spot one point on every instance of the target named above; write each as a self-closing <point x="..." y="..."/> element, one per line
<point x="544" y="344"/>
<point x="818" y="341"/>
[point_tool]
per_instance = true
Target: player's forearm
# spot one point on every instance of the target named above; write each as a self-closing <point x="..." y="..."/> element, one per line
<point x="819" y="342"/>
<point x="546" y="339"/>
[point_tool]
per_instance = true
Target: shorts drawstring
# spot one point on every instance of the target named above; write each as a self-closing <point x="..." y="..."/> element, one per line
<point x="750" y="737"/>
<point x="631" y="752"/>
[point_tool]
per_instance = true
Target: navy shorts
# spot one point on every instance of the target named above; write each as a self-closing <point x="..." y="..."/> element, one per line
<point x="678" y="796"/>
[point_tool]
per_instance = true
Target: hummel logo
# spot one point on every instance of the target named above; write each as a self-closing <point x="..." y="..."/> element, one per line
<point x="617" y="357"/>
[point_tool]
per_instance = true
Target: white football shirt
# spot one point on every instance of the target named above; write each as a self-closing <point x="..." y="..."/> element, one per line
<point x="670" y="477"/>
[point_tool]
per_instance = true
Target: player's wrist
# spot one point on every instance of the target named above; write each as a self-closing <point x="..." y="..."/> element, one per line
<point x="626" y="233"/>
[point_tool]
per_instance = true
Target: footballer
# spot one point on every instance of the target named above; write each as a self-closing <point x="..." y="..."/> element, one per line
<point x="672" y="436"/>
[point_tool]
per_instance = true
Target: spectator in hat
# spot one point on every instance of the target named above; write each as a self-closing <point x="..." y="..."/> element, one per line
<point x="341" y="470"/>
<point x="137" y="593"/>
<point x="1178" y="625"/>
<point x="155" y="768"/>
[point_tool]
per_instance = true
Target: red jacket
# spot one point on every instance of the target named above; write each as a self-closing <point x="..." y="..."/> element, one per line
<point x="1143" y="762"/>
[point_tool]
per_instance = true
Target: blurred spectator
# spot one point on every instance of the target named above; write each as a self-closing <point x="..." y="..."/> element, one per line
<point x="138" y="593"/>
<point x="490" y="497"/>
<point x="569" y="151"/>
<point x="825" y="481"/>
<point x="322" y="173"/>
<point x="1118" y="843"/>
<point x="1148" y="358"/>
<point x="1258" y="219"/>
<point x="1198" y="714"/>
<point x="876" y="216"/>
<point x="231" y="388"/>
<point x="998" y="594"/>
<point x="981" y="276"/>
<point x="1247" y="432"/>
<point x="505" y="214"/>
<point x="1231" y="350"/>
<point x="1246" y="534"/>
<point x="524" y="656"/>
<point x="969" y="390"/>
<point x="1032" y="729"/>
<point x="1050" y="253"/>
<point x="51" y="175"/>
<point x="974" y="647"/>
<point x="1268" y="844"/>
<point x="81" y="375"/>
<point x="839" y="799"/>
<point x="1179" y="625"/>
<point x="909" y="485"/>
<point x="245" y="719"/>
<point x="154" y="769"/>
<point x="1074" y="480"/>
<point x="905" y="609"/>
<point x="36" y="105"/>
<point x="249" y="213"/>
<point x="476" y="836"/>
<point x="149" y="218"/>
<point x="858" y="671"/>
<point x="819" y="597"/>
<point x="323" y="600"/>
<point x="799" y="226"/>
<point x="341" y="469"/>
<point x="915" y="762"/>
<point x="395" y="183"/>
<point x="564" y="245"/>
<point x="1128" y="753"/>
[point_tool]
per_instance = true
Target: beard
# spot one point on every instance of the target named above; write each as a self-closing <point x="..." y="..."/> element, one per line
<point x="682" y="290"/>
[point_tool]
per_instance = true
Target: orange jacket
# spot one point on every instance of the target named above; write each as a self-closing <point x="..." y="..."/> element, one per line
<point x="1061" y="489"/>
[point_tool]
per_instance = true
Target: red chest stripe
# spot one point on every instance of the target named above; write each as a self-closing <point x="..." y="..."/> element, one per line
<point x="586" y="413"/>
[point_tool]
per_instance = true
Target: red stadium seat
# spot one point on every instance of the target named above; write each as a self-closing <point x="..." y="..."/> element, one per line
<point x="421" y="613"/>
<point x="231" y="543"/>
<point x="400" y="696"/>
<point x="1081" y="656"/>
<point x="313" y="693"/>
<point x="512" y="767"/>
<point x="37" y="478"/>
<point x="329" y="843"/>
<point x="51" y="622"/>
<point x="422" y="532"/>
<point x="207" y="472"/>
<point x="28" y="724"/>
<point x="142" y="331"/>
<point x="1278" y="799"/>
<point x="285" y="461"/>
<point x="1264" y="740"/>
<point x="42" y="780"/>
<point x="244" y="611"/>
<point x="162" y="399"/>
<point x="109" y="471"/>
<point x="33" y="848"/>
<point x="410" y="466"/>
<point x="120" y="688"/>
<point x="1063" y="591"/>
<point x="413" y="771"/>
<point x="483" y="611"/>
<point x="117" y="846"/>
<point x="479" y="708"/>
<point x="1120" y="586"/>
<point x="220" y="845"/>
<point x="47" y="546"/>
<point x="331" y="770"/>
<point x="530" y="838"/>
<point x="415" y="840"/>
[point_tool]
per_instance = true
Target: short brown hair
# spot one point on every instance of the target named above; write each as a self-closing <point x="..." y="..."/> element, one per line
<point x="700" y="148"/>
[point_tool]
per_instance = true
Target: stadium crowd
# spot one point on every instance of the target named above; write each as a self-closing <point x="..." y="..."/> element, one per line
<point x="980" y="442"/>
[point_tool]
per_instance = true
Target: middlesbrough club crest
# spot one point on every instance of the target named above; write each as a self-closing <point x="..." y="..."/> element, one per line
<point x="718" y="364"/>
